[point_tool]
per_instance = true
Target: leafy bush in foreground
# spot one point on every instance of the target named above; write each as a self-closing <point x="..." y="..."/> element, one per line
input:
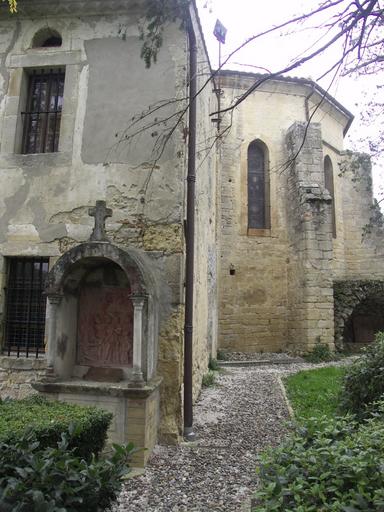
<point x="55" y="479"/>
<point x="45" y="420"/>
<point x="335" y="466"/>
<point x="363" y="383"/>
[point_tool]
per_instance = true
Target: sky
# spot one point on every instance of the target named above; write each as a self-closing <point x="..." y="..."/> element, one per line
<point x="245" y="18"/>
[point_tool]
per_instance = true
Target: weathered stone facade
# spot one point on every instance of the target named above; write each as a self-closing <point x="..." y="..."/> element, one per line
<point x="276" y="284"/>
<point x="17" y="375"/>
<point x="45" y="197"/>
<point x="255" y="289"/>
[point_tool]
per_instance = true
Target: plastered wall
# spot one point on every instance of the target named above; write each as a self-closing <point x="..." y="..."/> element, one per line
<point x="115" y="119"/>
<point x="206" y="248"/>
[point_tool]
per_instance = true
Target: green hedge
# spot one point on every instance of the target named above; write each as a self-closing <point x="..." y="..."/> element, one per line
<point x="45" y="420"/>
<point x="331" y="465"/>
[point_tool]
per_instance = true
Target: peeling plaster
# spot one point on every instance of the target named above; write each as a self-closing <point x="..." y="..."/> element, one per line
<point x="12" y="206"/>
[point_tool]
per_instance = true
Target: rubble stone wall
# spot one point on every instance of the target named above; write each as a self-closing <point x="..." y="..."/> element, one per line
<point x="360" y="248"/>
<point x="17" y="375"/>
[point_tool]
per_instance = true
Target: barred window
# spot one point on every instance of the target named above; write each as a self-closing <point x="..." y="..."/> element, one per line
<point x="25" y="306"/>
<point x="258" y="187"/>
<point x="42" y="117"/>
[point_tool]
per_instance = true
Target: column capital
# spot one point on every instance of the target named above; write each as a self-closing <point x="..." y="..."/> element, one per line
<point x="55" y="298"/>
<point x="138" y="300"/>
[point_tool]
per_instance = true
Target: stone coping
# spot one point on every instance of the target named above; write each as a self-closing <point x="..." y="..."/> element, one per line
<point x="120" y="389"/>
<point x="22" y="363"/>
<point x="261" y="362"/>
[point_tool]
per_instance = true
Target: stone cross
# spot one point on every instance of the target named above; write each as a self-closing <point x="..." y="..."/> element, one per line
<point x="100" y="212"/>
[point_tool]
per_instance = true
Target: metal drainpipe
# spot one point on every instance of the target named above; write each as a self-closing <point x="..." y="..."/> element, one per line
<point x="190" y="238"/>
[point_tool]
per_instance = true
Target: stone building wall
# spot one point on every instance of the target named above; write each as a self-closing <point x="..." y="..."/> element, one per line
<point x="310" y="294"/>
<point x="45" y="197"/>
<point x="360" y="251"/>
<point x="17" y="375"/>
<point x="205" y="291"/>
<point x="358" y="266"/>
<point x="268" y="292"/>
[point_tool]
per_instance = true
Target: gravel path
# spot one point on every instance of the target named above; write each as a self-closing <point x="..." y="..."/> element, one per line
<point x="235" y="420"/>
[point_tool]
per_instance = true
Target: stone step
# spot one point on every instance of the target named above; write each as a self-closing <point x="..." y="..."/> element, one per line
<point x="260" y="362"/>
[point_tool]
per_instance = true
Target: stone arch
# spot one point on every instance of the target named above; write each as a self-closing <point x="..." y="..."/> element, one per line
<point x="64" y="289"/>
<point x="46" y="37"/>
<point x="140" y="277"/>
<point x="350" y="298"/>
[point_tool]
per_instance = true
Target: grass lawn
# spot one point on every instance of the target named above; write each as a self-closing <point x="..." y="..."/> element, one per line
<point x="314" y="393"/>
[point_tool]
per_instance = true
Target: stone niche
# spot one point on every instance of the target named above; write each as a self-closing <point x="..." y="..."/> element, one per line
<point x="359" y="313"/>
<point x="102" y="339"/>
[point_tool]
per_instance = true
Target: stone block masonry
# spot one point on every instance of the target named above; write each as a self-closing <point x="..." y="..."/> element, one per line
<point x="18" y="374"/>
<point x="310" y="235"/>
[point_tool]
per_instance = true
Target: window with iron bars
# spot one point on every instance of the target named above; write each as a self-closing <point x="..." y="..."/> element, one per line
<point x="42" y="117"/>
<point x="25" y="307"/>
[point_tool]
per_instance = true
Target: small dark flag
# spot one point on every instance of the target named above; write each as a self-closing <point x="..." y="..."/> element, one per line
<point x="220" y="32"/>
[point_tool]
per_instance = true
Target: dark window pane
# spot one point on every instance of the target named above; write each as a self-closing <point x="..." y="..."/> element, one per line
<point x="25" y="306"/>
<point x="256" y="187"/>
<point x="328" y="182"/>
<point x="43" y="115"/>
<point x="52" y="41"/>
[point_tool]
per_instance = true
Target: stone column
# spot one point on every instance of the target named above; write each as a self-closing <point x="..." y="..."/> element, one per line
<point x="53" y="303"/>
<point x="138" y="302"/>
<point x="309" y="214"/>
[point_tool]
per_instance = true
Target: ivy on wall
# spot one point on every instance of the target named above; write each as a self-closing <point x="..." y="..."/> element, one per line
<point x="157" y="14"/>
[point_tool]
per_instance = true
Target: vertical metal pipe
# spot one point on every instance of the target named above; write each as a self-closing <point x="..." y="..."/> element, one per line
<point x="219" y="91"/>
<point x="190" y="238"/>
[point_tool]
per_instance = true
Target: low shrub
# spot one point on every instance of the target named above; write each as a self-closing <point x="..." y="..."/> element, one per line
<point x="208" y="379"/>
<point x="319" y="354"/>
<point x="213" y="364"/>
<point x="45" y="420"/>
<point x="363" y="383"/>
<point x="332" y="465"/>
<point x="33" y="479"/>
<point x="222" y="355"/>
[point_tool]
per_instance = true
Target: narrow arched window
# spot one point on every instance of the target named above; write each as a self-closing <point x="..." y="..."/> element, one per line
<point x="328" y="182"/>
<point x="258" y="187"/>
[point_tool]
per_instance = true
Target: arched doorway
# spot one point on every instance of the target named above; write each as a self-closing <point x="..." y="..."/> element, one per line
<point x="365" y="321"/>
<point x="102" y="315"/>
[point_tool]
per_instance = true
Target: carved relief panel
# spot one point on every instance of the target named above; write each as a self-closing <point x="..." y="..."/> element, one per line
<point x="105" y="327"/>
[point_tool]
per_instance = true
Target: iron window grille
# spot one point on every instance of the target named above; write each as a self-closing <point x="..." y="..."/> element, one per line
<point x="42" y="117"/>
<point x="25" y="307"/>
